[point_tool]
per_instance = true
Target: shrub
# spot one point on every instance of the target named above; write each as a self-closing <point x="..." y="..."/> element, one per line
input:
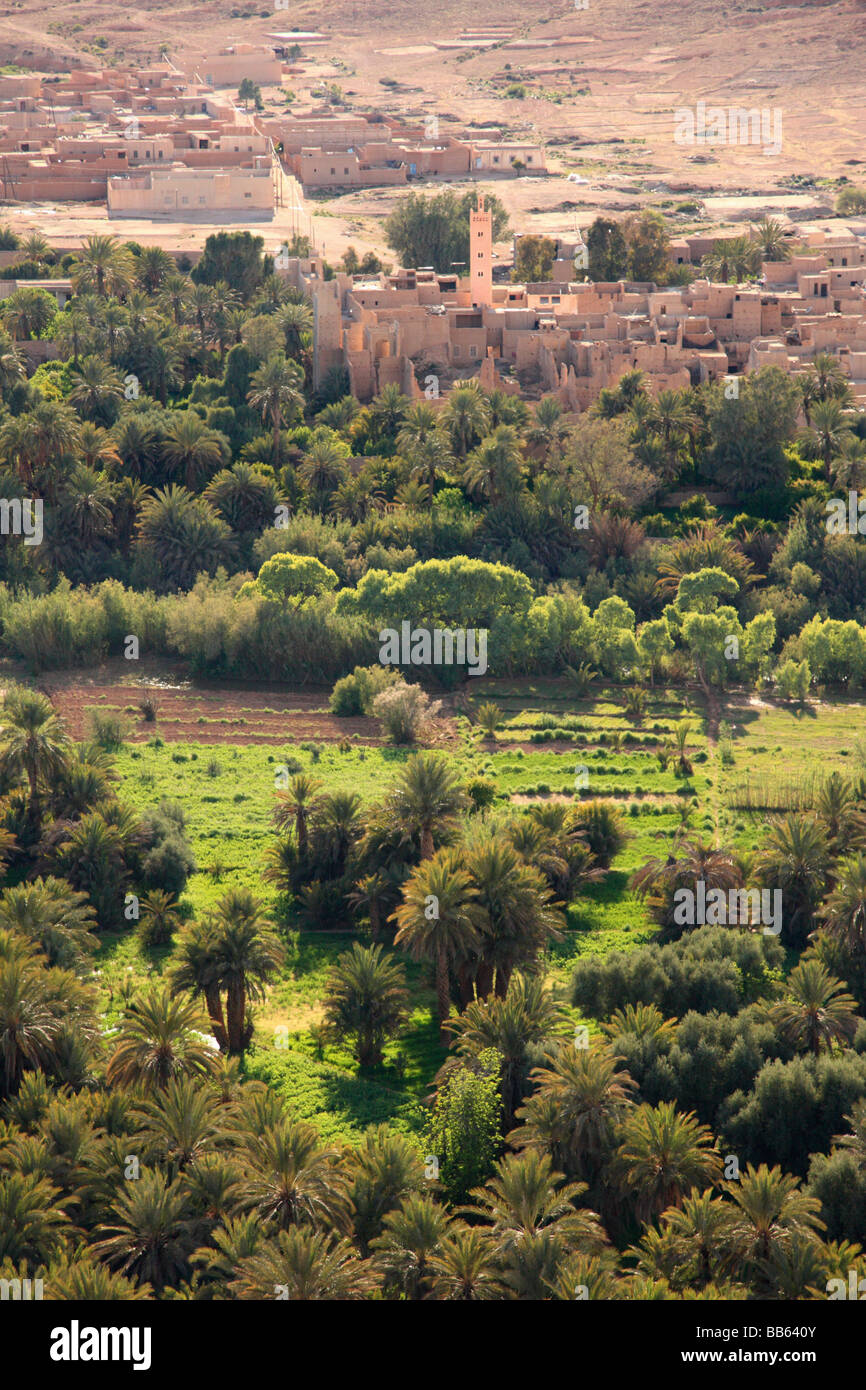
<point x="406" y="712"/>
<point x="158" y="920"/>
<point x="354" y="695"/>
<point x="168" y="860"/>
<point x="712" y="968"/>
<point x="107" y="730"/>
<point x="603" y="827"/>
<point x="481" y="792"/>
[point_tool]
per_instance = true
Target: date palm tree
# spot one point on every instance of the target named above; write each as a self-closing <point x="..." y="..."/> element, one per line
<point x="465" y="1269"/>
<point x="31" y="1023"/>
<point x="323" y="468"/>
<point x="154" y="267"/>
<point x="34" y="1225"/>
<point x="27" y="313"/>
<point x="769" y="233"/>
<point x="526" y="1198"/>
<point x="663" y="1154"/>
<point x="516" y="1025"/>
<point x="830" y="431"/>
<point x="495" y="468"/>
<point x="411" y="1236"/>
<point x="159" y="1041"/>
<point x="97" y="449"/>
<point x="277" y="392"/>
<point x="294" y="806"/>
<point x="772" y="1211"/>
<point x="465" y="417"/>
<point x="103" y="266"/>
<point x="185" y="535"/>
<point x="296" y="321"/>
<point x="427" y="798"/>
<point x="817" y="1011"/>
<point x="373" y="892"/>
<point x="437" y="920"/>
<point x="245" y="954"/>
<point x="148" y="1234"/>
<point x="195" y="970"/>
<point x="384" y="1168"/>
<point x="365" y="999"/>
<point x="86" y="508"/>
<point x="289" y="1179"/>
<point x="514" y="914"/>
<point x="844" y="911"/>
<point x="53" y="916"/>
<point x="837" y="808"/>
<point x="303" y="1266"/>
<point x="192" y="450"/>
<point x="34" y="746"/>
<point x="159" y="919"/>
<point x="658" y="880"/>
<point x="244" y="497"/>
<point x="580" y="1098"/>
<point x="387" y="412"/>
<point x="180" y="1124"/>
<point x="700" y="1234"/>
<point x="547" y="432"/>
<point x="732" y="261"/>
<point x="795" y="858"/>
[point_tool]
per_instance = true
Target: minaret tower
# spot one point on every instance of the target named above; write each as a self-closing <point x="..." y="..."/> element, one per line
<point x="481" y="255"/>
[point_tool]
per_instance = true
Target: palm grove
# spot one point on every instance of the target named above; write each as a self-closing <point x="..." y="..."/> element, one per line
<point x="200" y="495"/>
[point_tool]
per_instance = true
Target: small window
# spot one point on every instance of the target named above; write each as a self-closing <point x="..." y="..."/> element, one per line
<point x="248" y="195"/>
<point x="529" y="159"/>
<point x="147" y="154"/>
<point x="167" y="198"/>
<point x="345" y="171"/>
<point x="333" y="171"/>
<point x="496" y="159"/>
<point x="202" y="200"/>
<point x="184" y="199"/>
<point x="159" y="154"/>
<point x="473" y="351"/>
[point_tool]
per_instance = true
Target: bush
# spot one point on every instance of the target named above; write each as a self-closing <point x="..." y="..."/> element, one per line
<point x="712" y="968"/>
<point x="794" y="1109"/>
<point x="406" y="712"/>
<point x="353" y="695"/>
<point x="603" y="826"/>
<point x="107" y="730"/>
<point x="168" y="860"/>
<point x="481" y="792"/>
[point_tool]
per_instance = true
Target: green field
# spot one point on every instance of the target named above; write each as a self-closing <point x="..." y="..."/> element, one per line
<point x="227" y="794"/>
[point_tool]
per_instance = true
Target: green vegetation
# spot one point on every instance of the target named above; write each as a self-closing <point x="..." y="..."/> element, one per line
<point x="473" y="981"/>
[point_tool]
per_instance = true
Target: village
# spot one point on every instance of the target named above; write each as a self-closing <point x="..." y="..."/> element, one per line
<point x="162" y="146"/>
<point x="571" y="337"/>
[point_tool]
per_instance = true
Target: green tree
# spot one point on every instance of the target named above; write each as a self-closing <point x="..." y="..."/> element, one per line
<point x="365" y="999"/>
<point x="533" y="262"/>
<point x="465" y="1131"/>
<point x="607" y="250"/>
<point x="234" y="258"/>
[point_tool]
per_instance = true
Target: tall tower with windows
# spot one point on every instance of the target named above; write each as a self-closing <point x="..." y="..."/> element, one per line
<point x="481" y="254"/>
